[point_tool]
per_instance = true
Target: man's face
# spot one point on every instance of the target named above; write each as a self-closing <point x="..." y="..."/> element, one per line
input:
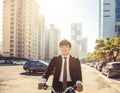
<point x="65" y="49"/>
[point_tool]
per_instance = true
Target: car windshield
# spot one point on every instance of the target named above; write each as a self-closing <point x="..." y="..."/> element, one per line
<point x="43" y="62"/>
<point x="27" y="62"/>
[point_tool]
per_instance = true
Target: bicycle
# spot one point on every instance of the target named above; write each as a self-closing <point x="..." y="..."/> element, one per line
<point x="67" y="90"/>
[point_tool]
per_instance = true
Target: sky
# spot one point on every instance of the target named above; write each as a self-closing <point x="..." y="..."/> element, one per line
<point x="64" y="12"/>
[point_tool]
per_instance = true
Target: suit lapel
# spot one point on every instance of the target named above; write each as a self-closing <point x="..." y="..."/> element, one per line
<point x="71" y="65"/>
<point x="59" y="67"/>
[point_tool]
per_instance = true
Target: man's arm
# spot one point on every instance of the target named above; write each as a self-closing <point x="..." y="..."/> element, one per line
<point x="47" y="74"/>
<point x="49" y="70"/>
<point x="79" y="76"/>
<point x="79" y="71"/>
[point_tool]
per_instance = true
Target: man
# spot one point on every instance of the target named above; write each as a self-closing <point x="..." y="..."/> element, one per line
<point x="67" y="70"/>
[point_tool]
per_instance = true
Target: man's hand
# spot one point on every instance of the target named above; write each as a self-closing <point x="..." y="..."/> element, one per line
<point x="79" y="87"/>
<point x="41" y="85"/>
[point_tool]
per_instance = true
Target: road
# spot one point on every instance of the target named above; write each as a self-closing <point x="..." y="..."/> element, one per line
<point x="13" y="79"/>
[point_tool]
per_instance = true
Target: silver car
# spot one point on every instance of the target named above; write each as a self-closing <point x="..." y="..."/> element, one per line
<point x="111" y="69"/>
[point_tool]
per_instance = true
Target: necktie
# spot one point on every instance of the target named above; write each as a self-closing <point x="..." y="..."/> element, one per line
<point x="65" y="74"/>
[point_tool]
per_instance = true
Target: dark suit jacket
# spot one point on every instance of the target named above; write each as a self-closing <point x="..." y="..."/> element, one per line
<point x="56" y="64"/>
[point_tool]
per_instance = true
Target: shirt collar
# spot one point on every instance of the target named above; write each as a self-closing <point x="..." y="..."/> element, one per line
<point x="68" y="56"/>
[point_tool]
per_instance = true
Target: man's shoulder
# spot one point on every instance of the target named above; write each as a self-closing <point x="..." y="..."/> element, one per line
<point x="56" y="56"/>
<point x="74" y="57"/>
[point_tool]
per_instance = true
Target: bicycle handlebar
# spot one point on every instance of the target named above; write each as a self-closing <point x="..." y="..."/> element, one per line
<point x="65" y="91"/>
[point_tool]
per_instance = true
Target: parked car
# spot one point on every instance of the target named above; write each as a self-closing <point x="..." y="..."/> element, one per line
<point x="101" y="65"/>
<point x="23" y="62"/>
<point x="2" y="61"/>
<point x="35" y="66"/>
<point x="96" y="65"/>
<point x="17" y="63"/>
<point x="111" y="69"/>
<point x="10" y="62"/>
<point x="92" y="64"/>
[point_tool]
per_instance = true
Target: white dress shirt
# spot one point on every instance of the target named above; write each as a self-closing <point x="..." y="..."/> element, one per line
<point x="62" y="69"/>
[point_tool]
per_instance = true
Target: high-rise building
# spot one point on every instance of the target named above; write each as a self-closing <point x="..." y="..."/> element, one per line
<point x="83" y="52"/>
<point x="76" y="32"/>
<point x="84" y="45"/>
<point x="0" y="48"/>
<point x="75" y="49"/>
<point x="21" y="28"/>
<point x="54" y="38"/>
<point x="117" y="28"/>
<point x="109" y="18"/>
<point x="77" y="39"/>
<point x="41" y="38"/>
<point x="46" y="44"/>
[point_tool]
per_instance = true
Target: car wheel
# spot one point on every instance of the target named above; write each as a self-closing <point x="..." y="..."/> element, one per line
<point x="28" y="70"/>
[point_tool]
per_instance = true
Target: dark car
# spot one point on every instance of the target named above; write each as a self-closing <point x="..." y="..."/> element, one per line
<point x="101" y="65"/>
<point x="111" y="69"/>
<point x="35" y="66"/>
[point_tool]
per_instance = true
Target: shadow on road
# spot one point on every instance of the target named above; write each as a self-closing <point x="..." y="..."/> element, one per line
<point x="8" y="65"/>
<point x="31" y="74"/>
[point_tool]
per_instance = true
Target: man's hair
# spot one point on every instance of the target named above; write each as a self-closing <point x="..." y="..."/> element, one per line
<point x="64" y="42"/>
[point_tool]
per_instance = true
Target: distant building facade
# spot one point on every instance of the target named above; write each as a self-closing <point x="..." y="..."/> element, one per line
<point x="109" y="18"/>
<point x="21" y="28"/>
<point x="52" y="41"/>
<point x="79" y="42"/>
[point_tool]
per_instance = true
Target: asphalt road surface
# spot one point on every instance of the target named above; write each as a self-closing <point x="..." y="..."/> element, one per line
<point x="13" y="79"/>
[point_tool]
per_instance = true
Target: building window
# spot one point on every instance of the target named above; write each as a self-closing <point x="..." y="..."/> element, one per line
<point x="12" y="14"/>
<point x="18" y="33"/>
<point x="12" y="23"/>
<point x="106" y="16"/>
<point x="12" y="19"/>
<point x="106" y="10"/>
<point x="11" y="28"/>
<point x="12" y="5"/>
<point x="11" y="41"/>
<point x="11" y="54"/>
<point x="12" y="10"/>
<point x="11" y="45"/>
<point x="11" y="32"/>
<point x="118" y="10"/>
<point x="12" y="0"/>
<point x="12" y="37"/>
<point x="106" y="3"/>
<point x="11" y="50"/>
